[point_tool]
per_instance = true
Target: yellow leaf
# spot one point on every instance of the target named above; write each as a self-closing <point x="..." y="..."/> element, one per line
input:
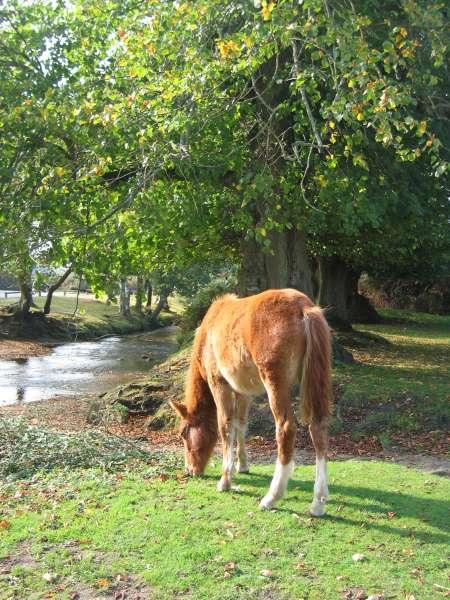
<point x="360" y="116"/>
<point x="60" y="171"/>
<point x="266" y="10"/>
<point x="331" y="124"/>
<point x="228" y="48"/>
<point x="422" y="127"/>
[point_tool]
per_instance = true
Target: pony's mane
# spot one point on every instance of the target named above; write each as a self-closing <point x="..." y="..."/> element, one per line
<point x="199" y="399"/>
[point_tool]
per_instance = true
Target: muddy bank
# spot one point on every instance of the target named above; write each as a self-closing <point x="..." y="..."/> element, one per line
<point x="37" y="333"/>
<point x="22" y="349"/>
<point x="72" y="415"/>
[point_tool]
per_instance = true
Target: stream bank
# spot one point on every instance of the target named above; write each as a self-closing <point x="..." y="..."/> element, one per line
<point x="36" y="335"/>
<point x="79" y="369"/>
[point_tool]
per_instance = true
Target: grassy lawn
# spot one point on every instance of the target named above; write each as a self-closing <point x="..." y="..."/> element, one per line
<point x="177" y="538"/>
<point x="404" y="366"/>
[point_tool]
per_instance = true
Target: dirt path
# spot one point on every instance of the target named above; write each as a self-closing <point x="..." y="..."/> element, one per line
<point x="22" y="349"/>
<point x="70" y="414"/>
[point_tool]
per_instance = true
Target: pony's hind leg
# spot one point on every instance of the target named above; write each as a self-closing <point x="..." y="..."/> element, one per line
<point x="242" y="407"/>
<point x="286" y="429"/>
<point x="319" y="436"/>
<point x="223" y="398"/>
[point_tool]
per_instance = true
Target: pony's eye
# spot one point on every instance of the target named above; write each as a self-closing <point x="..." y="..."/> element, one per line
<point x="184" y="431"/>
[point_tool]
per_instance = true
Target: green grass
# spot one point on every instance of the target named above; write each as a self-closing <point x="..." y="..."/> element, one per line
<point x="412" y="366"/>
<point x="185" y="540"/>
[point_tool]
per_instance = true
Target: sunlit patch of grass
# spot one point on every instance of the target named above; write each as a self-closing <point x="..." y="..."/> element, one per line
<point x="412" y="366"/>
<point x="184" y="539"/>
<point x="416" y="360"/>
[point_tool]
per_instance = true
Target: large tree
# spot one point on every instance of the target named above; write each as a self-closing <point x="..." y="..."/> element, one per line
<point x="273" y="132"/>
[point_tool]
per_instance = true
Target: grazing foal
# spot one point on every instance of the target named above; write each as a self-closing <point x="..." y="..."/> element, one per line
<point x="269" y="342"/>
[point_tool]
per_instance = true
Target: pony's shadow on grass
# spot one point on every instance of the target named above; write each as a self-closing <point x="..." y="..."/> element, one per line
<point x="378" y="508"/>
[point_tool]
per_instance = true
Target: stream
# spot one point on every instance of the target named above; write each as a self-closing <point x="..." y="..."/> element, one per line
<point x="82" y="368"/>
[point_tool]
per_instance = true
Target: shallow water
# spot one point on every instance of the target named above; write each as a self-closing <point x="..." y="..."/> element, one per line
<point x="81" y="368"/>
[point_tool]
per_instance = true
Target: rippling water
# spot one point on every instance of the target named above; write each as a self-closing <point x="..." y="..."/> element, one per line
<point x="79" y="368"/>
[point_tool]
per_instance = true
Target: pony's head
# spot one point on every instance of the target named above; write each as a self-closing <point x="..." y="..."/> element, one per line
<point x="199" y="437"/>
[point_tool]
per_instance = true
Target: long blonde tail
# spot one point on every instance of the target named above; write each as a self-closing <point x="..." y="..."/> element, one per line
<point x="316" y="390"/>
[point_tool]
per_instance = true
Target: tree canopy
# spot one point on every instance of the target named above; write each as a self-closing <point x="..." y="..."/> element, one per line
<point x="138" y="137"/>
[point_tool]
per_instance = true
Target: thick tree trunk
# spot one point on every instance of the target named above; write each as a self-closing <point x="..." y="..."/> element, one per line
<point x="124" y="303"/>
<point x="362" y="311"/>
<point x="149" y="289"/>
<point x="285" y="265"/>
<point x="53" y="288"/>
<point x="139" y="293"/>
<point x="338" y="292"/>
<point x="337" y="284"/>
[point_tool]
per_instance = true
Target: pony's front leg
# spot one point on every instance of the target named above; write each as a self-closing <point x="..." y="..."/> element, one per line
<point x="286" y="431"/>
<point x="242" y="407"/>
<point x="227" y="429"/>
<point x="319" y="436"/>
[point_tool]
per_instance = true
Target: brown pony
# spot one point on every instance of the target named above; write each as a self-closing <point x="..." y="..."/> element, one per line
<point x="244" y="346"/>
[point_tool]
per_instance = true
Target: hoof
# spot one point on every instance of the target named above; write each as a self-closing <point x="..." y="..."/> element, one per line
<point x="223" y="485"/>
<point x="267" y="502"/>
<point x="243" y="470"/>
<point x="317" y="509"/>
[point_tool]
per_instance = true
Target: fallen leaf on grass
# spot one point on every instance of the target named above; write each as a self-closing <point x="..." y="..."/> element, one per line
<point x="357" y="557"/>
<point x="354" y="594"/>
<point x="267" y="573"/>
<point x="4" y="524"/>
<point x="103" y="583"/>
<point x="391" y="515"/>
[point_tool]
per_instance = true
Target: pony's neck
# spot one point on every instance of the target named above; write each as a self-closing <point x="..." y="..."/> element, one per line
<point x="199" y="399"/>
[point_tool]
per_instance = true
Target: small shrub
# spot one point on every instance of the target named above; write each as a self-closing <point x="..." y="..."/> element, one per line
<point x="198" y="306"/>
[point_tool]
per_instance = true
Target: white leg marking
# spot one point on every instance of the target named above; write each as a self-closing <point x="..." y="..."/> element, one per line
<point x="317" y="508"/>
<point x="278" y="485"/>
<point x="228" y="462"/>
<point x="242" y="465"/>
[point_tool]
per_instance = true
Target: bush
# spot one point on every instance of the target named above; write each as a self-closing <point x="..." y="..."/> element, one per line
<point x="197" y="307"/>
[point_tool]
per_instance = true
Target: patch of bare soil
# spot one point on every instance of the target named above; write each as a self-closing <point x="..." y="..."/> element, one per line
<point x="70" y="414"/>
<point x="22" y="349"/>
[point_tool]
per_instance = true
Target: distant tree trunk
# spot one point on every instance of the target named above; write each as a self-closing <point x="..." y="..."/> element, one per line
<point x="53" y="288"/>
<point x="26" y="294"/>
<point x="286" y="264"/>
<point x="149" y="289"/>
<point x="124" y="303"/>
<point x="139" y="293"/>
<point x="159" y="307"/>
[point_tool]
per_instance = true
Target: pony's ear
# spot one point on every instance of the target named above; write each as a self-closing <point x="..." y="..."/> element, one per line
<point x="180" y="408"/>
